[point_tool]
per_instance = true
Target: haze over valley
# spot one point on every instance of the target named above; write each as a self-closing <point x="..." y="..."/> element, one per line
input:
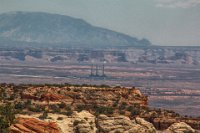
<point x="110" y="73"/>
<point x="31" y="54"/>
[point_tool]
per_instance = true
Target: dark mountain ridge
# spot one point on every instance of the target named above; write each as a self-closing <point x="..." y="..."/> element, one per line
<point x="44" y="29"/>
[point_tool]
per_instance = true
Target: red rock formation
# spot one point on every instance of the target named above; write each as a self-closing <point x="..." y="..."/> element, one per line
<point x="51" y="97"/>
<point x="86" y="95"/>
<point x="32" y="125"/>
<point x="29" y="96"/>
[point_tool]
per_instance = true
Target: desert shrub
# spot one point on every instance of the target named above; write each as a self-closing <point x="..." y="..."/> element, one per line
<point x="104" y="110"/>
<point x="3" y="94"/>
<point x="130" y="108"/>
<point x="34" y="109"/>
<point x="177" y="115"/>
<point x="69" y="113"/>
<point x="77" y="90"/>
<point x="28" y="103"/>
<point x="55" y="108"/>
<point x="68" y="107"/>
<point x="109" y="110"/>
<point x="104" y="86"/>
<point x="117" y="87"/>
<point x="67" y="84"/>
<point x="137" y="105"/>
<point x="62" y="105"/>
<point x="117" y="131"/>
<point x="144" y="108"/>
<point x="137" y="95"/>
<point x="123" y="106"/>
<point x="60" y="118"/>
<point x="76" y="85"/>
<point x="3" y="125"/>
<point x="115" y="103"/>
<point x="44" y="115"/>
<point x="7" y="117"/>
<point x="135" y="112"/>
<point x="121" y="112"/>
<point x="85" y="85"/>
<point x="19" y="105"/>
<point x="79" y="108"/>
<point x="12" y="97"/>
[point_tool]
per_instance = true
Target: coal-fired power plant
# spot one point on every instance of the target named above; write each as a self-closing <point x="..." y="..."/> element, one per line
<point x="97" y="71"/>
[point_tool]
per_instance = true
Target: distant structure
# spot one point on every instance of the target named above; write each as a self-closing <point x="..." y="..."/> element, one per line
<point x="97" y="71"/>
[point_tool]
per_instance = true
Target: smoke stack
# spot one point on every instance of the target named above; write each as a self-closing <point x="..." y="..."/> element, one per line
<point x="91" y="70"/>
<point x="103" y="70"/>
<point x="97" y="70"/>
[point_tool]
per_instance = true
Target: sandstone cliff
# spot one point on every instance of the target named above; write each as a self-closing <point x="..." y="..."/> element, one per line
<point x="88" y="109"/>
<point x="85" y="122"/>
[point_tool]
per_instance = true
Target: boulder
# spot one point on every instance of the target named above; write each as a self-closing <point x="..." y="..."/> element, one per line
<point x="123" y="124"/>
<point x="180" y="127"/>
<point x="85" y="122"/>
<point x="84" y="127"/>
<point x="146" y="125"/>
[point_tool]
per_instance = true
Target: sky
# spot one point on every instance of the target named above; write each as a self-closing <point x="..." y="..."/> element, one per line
<point x="163" y="22"/>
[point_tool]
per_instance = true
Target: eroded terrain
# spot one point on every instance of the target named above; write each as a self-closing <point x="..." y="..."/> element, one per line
<point x="70" y="108"/>
<point x="159" y="72"/>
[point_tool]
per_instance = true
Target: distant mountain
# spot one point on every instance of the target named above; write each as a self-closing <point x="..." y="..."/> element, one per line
<point x="44" y="29"/>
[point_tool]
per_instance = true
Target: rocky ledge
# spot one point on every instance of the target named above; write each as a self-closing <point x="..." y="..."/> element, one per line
<point x="85" y="109"/>
<point x="33" y="125"/>
<point x="85" y="122"/>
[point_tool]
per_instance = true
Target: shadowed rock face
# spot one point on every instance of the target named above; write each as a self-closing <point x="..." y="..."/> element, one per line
<point x="32" y="125"/>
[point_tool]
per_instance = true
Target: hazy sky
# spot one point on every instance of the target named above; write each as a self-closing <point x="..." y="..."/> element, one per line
<point x="163" y="22"/>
